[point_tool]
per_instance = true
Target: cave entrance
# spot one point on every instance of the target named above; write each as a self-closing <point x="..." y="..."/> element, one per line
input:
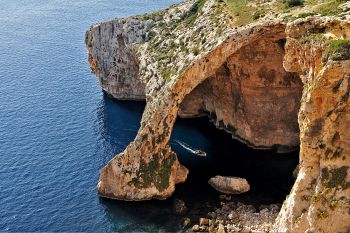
<point x="252" y="99"/>
<point x="269" y="173"/>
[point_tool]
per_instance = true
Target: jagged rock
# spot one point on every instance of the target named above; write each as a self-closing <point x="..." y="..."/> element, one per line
<point x="229" y="185"/>
<point x="317" y="200"/>
<point x="111" y="58"/>
<point x="221" y="228"/>
<point x="204" y="221"/>
<point x="196" y="228"/>
<point x="186" y="222"/>
<point x="244" y="218"/>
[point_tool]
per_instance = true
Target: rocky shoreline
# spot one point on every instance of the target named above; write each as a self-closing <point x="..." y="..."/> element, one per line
<point x="232" y="214"/>
<point x="237" y="217"/>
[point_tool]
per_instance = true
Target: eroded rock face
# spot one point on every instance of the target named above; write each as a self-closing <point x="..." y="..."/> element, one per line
<point x="320" y="198"/>
<point x="252" y="97"/>
<point x="111" y="57"/>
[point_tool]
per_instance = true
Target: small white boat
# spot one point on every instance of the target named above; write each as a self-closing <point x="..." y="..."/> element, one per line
<point x="196" y="152"/>
<point x="200" y="153"/>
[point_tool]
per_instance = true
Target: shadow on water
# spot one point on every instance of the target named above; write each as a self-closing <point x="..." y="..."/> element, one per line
<point x="269" y="173"/>
<point x="117" y="124"/>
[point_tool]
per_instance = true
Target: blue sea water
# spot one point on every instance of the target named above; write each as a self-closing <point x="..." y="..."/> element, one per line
<point x="57" y="129"/>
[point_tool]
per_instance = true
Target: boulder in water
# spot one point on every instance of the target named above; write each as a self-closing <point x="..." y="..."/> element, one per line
<point x="229" y="185"/>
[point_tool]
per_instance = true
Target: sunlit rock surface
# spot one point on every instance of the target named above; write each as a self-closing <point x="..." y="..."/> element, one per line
<point x="229" y="185"/>
<point x="320" y="198"/>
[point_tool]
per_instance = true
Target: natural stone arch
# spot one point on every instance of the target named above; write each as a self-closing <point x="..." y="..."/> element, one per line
<point x="148" y="168"/>
<point x="251" y="97"/>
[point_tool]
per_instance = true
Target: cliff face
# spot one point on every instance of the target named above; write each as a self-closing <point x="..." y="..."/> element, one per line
<point x="242" y="96"/>
<point x="320" y="198"/>
<point x="111" y="57"/>
<point x="191" y="60"/>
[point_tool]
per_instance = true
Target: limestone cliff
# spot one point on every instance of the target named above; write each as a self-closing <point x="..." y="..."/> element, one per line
<point x="320" y="198"/>
<point x="192" y="60"/>
<point x="111" y="57"/>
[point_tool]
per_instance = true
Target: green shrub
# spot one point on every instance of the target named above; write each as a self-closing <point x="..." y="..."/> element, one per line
<point x="293" y="3"/>
<point x="304" y="15"/>
<point x="339" y="49"/>
<point x="193" y="12"/>
<point x="330" y="8"/>
<point x="258" y="14"/>
<point x="196" y="51"/>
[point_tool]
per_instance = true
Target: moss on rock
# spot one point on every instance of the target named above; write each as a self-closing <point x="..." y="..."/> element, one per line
<point x="156" y="172"/>
<point x="336" y="177"/>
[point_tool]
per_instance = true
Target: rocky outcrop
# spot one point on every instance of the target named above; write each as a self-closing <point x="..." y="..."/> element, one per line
<point x="236" y="217"/>
<point x="191" y="60"/>
<point x="229" y="185"/>
<point x="148" y="168"/>
<point x="111" y="57"/>
<point x="320" y="198"/>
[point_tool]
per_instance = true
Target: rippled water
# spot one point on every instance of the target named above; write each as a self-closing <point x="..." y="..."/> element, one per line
<point x="57" y="129"/>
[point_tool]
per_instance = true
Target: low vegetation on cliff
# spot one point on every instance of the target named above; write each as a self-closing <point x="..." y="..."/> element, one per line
<point x="180" y="35"/>
<point x="246" y="11"/>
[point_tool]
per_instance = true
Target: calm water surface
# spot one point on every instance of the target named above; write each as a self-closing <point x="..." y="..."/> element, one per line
<point x="57" y="129"/>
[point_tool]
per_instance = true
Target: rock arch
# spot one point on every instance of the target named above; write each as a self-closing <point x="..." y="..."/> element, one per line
<point x="148" y="168"/>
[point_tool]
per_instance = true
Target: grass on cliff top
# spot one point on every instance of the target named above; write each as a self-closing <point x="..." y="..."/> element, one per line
<point x="339" y="50"/>
<point x="247" y="11"/>
<point x="330" y="7"/>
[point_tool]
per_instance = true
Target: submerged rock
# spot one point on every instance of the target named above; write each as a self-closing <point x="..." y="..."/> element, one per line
<point x="195" y="228"/>
<point x="186" y="222"/>
<point x="179" y="206"/>
<point x="203" y="221"/>
<point x="229" y="185"/>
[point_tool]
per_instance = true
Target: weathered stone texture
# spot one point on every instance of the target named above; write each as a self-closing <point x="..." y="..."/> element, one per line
<point x="320" y="198"/>
<point x="111" y="57"/>
<point x="252" y="97"/>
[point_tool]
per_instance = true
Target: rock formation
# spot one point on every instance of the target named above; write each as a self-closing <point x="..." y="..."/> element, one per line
<point x="192" y="60"/>
<point x="320" y="198"/>
<point x="229" y="185"/>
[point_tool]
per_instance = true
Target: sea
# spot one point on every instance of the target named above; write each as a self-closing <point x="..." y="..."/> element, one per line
<point x="58" y="129"/>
